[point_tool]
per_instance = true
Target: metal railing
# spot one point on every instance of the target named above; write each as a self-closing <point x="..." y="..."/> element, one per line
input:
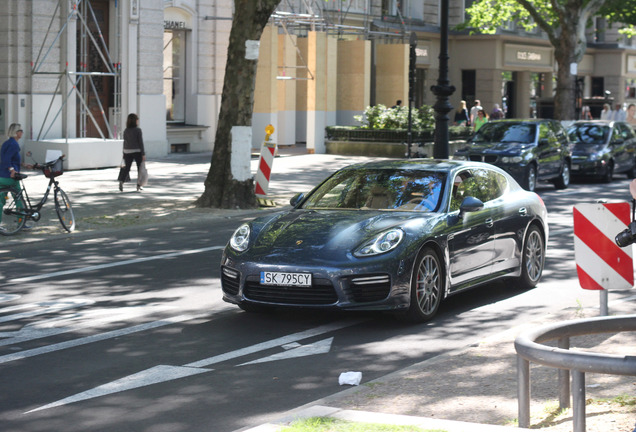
<point x="529" y="348"/>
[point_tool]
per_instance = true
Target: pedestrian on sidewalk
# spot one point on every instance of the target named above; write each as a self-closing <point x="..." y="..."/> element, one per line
<point x="10" y="162"/>
<point x="133" y="151"/>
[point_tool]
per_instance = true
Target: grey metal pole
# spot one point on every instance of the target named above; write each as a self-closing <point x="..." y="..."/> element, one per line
<point x="578" y="401"/>
<point x="603" y="301"/>
<point x="564" y="378"/>
<point x="523" y="391"/>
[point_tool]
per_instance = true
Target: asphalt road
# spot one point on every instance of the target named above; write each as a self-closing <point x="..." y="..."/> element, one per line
<point x="126" y="330"/>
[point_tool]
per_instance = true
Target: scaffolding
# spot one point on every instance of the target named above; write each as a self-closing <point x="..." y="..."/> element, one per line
<point x="80" y="83"/>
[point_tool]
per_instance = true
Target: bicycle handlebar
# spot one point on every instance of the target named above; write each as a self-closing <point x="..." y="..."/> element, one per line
<point x="49" y="164"/>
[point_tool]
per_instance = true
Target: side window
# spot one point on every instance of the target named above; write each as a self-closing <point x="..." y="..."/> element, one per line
<point x="559" y="132"/>
<point x="483" y="184"/>
<point x="616" y="135"/>
<point x="545" y="133"/>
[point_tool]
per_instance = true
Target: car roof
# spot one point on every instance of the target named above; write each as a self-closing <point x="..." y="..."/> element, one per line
<point x="442" y="165"/>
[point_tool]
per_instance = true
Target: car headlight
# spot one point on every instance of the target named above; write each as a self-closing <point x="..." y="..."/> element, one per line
<point x="511" y="159"/>
<point x="240" y="240"/>
<point x="381" y="243"/>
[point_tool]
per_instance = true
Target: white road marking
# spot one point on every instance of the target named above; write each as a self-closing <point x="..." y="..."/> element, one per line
<point x="273" y="343"/>
<point x="148" y="377"/>
<point x="162" y="373"/>
<point x="320" y="347"/>
<point x="8" y="297"/>
<point x="113" y="264"/>
<point x="76" y="321"/>
<point x="42" y="308"/>
<point x="94" y="338"/>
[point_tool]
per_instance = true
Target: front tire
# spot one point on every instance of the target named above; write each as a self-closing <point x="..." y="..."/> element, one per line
<point x="533" y="258"/>
<point x="609" y="173"/>
<point x="427" y="287"/>
<point x="530" y="181"/>
<point x="64" y="210"/>
<point x="564" y="179"/>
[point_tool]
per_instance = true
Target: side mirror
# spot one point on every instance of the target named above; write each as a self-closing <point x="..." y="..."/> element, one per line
<point x="296" y="199"/>
<point x="470" y="204"/>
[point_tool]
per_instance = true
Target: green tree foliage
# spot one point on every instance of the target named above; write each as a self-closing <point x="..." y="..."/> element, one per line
<point x="563" y="21"/>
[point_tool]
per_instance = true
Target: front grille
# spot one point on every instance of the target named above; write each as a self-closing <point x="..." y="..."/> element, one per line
<point x="491" y="159"/>
<point x="363" y="289"/>
<point x="230" y="281"/>
<point x="321" y="292"/>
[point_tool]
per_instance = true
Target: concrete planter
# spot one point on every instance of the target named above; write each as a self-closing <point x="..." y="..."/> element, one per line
<point x="81" y="153"/>
<point x="385" y="149"/>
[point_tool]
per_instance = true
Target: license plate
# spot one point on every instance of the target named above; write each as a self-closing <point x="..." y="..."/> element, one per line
<point x="286" y="279"/>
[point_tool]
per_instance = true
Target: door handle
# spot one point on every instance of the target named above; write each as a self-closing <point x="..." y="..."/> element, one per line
<point x="489" y="222"/>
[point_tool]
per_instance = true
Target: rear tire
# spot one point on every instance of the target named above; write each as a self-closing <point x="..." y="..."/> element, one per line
<point x="13" y="213"/>
<point x="64" y="210"/>
<point x="533" y="258"/>
<point x="427" y="287"/>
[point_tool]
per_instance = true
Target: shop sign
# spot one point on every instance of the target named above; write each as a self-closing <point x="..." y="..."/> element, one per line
<point x="176" y="19"/>
<point x="422" y="54"/>
<point x="631" y="64"/>
<point x="527" y="55"/>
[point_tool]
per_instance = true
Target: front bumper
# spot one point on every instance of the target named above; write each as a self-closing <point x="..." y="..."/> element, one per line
<point x="363" y="287"/>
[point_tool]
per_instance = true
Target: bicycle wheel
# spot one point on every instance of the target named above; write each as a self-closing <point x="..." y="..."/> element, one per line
<point x="64" y="210"/>
<point x="13" y="213"/>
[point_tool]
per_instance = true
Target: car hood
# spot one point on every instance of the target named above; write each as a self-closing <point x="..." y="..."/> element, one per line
<point x="326" y="234"/>
<point x="498" y="147"/>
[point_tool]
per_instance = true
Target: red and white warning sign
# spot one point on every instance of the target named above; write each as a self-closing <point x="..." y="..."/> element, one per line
<point x="600" y="262"/>
<point x="265" y="164"/>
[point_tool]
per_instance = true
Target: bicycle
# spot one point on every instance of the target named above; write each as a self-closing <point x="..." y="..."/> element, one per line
<point x="18" y="208"/>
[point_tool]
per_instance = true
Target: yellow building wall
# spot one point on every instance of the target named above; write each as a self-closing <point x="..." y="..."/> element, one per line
<point x="392" y="78"/>
<point x="265" y="89"/>
<point x="287" y="59"/>
<point x="354" y="75"/>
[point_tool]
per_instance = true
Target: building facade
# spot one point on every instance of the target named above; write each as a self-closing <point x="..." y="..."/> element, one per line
<point x="71" y="70"/>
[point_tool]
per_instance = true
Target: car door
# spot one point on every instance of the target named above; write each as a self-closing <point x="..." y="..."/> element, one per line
<point x="548" y="153"/>
<point x="618" y="149"/>
<point x="471" y="240"/>
<point x="510" y="218"/>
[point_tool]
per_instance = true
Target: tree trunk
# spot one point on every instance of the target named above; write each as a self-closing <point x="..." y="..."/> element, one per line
<point x="222" y="190"/>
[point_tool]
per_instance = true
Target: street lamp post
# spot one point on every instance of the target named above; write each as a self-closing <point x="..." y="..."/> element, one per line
<point x="412" y="66"/>
<point x="442" y="90"/>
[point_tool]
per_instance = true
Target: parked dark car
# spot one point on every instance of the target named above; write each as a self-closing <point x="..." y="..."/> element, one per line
<point x="529" y="150"/>
<point x="396" y="235"/>
<point x="602" y="148"/>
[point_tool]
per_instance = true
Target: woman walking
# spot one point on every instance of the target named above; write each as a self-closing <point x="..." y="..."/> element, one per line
<point x="133" y="150"/>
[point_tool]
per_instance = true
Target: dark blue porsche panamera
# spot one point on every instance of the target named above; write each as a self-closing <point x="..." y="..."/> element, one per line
<point x="397" y="235"/>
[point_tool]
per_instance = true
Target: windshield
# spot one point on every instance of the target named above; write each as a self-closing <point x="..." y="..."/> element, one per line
<point x="506" y="132"/>
<point x="589" y="134"/>
<point x="379" y="189"/>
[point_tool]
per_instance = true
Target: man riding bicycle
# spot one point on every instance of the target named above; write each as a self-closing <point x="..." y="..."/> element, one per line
<point x="10" y="161"/>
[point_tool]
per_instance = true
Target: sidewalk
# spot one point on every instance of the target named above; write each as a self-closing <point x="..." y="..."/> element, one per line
<point x="472" y="390"/>
<point x="175" y="182"/>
